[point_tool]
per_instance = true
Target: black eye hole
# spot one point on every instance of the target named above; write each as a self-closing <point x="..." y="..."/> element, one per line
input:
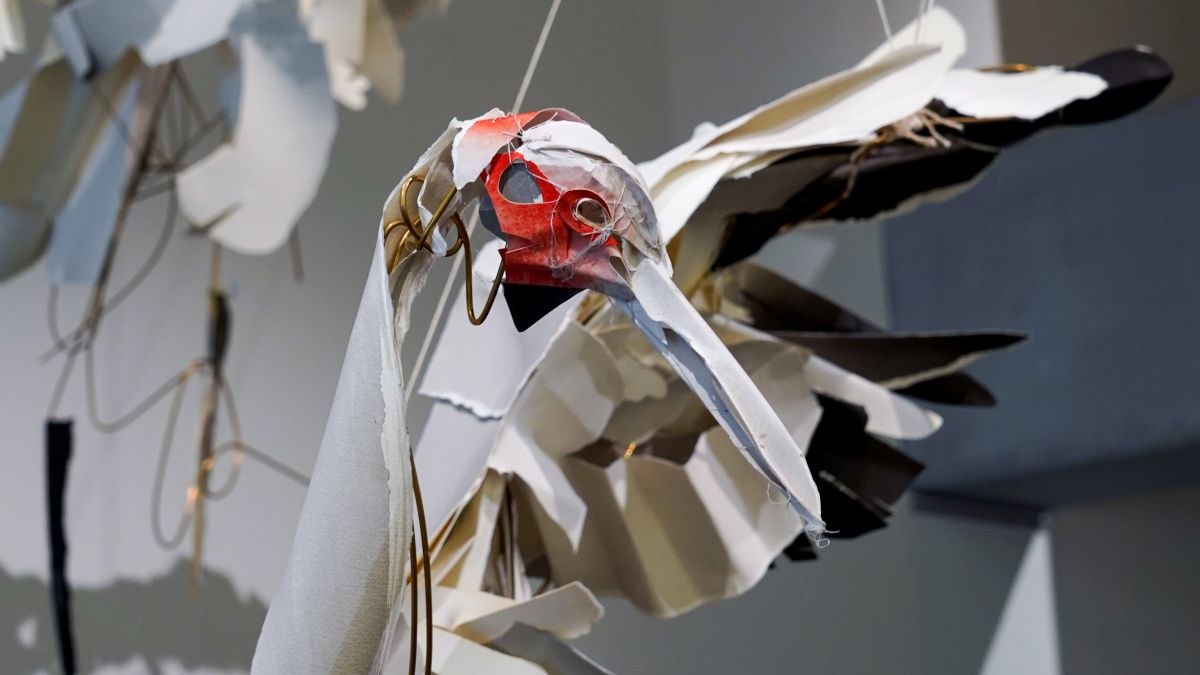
<point x="591" y="212"/>
<point x="519" y="186"/>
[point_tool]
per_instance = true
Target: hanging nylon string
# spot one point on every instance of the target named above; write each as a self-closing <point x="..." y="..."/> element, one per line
<point x="436" y="320"/>
<point x="174" y="128"/>
<point x="418" y="365"/>
<point x="883" y="17"/>
<point x="923" y="7"/>
<point x="537" y="57"/>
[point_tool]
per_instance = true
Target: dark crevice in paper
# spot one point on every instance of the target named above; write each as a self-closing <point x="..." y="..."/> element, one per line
<point x="800" y="550"/>
<point x="786" y="310"/>
<point x="885" y="356"/>
<point x="58" y="457"/>
<point x="894" y="173"/>
<point x="952" y="389"/>
<point x="1135" y="77"/>
<point x="841" y="446"/>
<point x="859" y="476"/>
<point x="882" y="182"/>
<point x="777" y="303"/>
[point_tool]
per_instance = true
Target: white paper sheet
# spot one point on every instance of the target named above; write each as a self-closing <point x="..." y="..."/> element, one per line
<point x="1027" y="95"/>
<point x="383" y="57"/>
<point x="252" y="190"/>
<point x="160" y="30"/>
<point x="464" y="621"/>
<point x="891" y="84"/>
<point x="671" y="536"/>
<point x="577" y="386"/>
<point x="568" y="612"/>
<point x="340" y="25"/>
<point x="332" y="609"/>
<point x="455" y="655"/>
<point x="560" y="134"/>
<point x="547" y="651"/>
<point x="446" y="485"/>
<point x="888" y="414"/>
<point x="361" y="48"/>
<point x="12" y="28"/>
<point x="463" y="375"/>
<point x="337" y="607"/>
<point x="843" y="108"/>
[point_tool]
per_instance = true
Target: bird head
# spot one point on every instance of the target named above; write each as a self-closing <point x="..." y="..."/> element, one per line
<point x="573" y="212"/>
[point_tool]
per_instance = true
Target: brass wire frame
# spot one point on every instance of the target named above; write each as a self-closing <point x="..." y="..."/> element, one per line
<point x="1008" y="68"/>
<point x="426" y="565"/>
<point x="416" y="233"/>
<point x="415" y="236"/>
<point x="158" y="139"/>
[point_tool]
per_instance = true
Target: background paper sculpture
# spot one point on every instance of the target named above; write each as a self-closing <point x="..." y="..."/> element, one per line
<point x="110" y="118"/>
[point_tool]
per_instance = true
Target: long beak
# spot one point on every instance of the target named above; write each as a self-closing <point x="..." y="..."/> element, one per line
<point x="677" y="330"/>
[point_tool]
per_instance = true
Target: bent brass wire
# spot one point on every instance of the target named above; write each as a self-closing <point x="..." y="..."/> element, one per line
<point x="416" y="235"/>
<point x="1008" y="68"/>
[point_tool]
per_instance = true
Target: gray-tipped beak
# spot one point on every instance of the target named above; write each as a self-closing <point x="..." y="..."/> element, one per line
<point x="681" y="335"/>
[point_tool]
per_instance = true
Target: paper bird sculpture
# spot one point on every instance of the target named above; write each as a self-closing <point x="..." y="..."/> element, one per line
<point x="644" y="413"/>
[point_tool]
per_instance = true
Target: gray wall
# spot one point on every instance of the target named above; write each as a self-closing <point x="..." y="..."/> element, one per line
<point x="1127" y="583"/>
<point x="1035" y="31"/>
<point x="1085" y="239"/>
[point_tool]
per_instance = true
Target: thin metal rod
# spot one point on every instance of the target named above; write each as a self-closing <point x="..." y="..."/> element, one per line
<point x="443" y="299"/>
<point x="173" y="541"/>
<point x="431" y="330"/>
<point x="263" y="458"/>
<point x="412" y="624"/>
<point x="420" y="232"/>
<point x="537" y="56"/>
<point x="883" y="18"/>
<point x="469" y="278"/>
<point x="426" y="564"/>
<point x="296" y="255"/>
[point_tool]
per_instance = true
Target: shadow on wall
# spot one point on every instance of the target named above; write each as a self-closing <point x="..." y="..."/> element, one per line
<point x="153" y="621"/>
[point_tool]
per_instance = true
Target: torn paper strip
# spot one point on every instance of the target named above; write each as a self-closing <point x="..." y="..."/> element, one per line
<point x="332" y="610"/>
<point x="1026" y="95"/>
<point x="96" y="34"/>
<point x="361" y="48"/>
<point x="12" y="28"/>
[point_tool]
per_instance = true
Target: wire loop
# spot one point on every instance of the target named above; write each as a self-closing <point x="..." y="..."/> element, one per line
<point x="415" y="235"/>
